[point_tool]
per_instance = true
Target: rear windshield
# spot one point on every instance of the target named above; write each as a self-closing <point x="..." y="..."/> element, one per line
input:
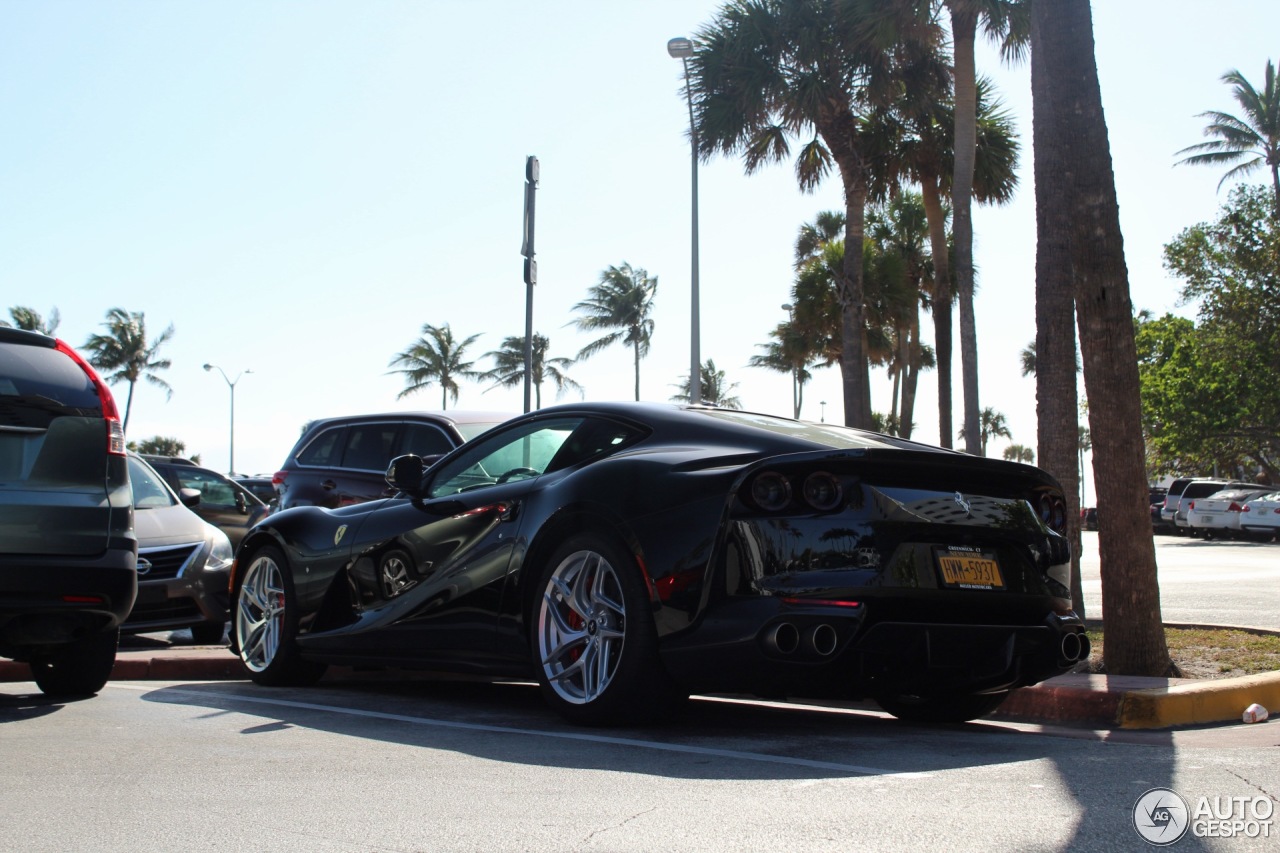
<point x="39" y="384"/>
<point x="829" y="435"/>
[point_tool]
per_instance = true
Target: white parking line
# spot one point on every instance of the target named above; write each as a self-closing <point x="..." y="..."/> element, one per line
<point x="575" y="736"/>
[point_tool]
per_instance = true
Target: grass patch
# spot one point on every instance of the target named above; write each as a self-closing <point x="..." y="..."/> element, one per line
<point x="1210" y="652"/>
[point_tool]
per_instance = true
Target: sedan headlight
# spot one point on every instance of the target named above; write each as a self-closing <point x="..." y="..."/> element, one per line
<point x="220" y="552"/>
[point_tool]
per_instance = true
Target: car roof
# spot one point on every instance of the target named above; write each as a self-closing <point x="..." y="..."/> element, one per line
<point x="456" y="416"/>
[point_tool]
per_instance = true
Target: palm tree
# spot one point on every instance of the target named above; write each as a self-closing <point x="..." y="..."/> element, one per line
<point x="508" y="369"/>
<point x="1068" y="99"/>
<point x="623" y="303"/>
<point x="768" y="71"/>
<point x="30" y="320"/>
<point x="435" y="357"/>
<point x="992" y="425"/>
<point x="1019" y="453"/>
<point x="1253" y="139"/>
<point x="125" y="355"/>
<point x="789" y="352"/>
<point x="715" y="388"/>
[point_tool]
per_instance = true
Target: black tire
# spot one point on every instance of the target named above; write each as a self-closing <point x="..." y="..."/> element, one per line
<point x="593" y="640"/>
<point x="941" y="709"/>
<point x="209" y="633"/>
<point x="79" y="669"/>
<point x="265" y="622"/>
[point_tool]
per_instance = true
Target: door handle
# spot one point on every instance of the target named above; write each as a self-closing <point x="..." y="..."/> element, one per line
<point x="328" y="484"/>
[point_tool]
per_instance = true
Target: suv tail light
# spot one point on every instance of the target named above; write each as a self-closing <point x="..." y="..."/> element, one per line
<point x="277" y="480"/>
<point x="115" y="429"/>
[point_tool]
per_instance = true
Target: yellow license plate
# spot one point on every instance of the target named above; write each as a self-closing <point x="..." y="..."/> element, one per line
<point x="970" y="570"/>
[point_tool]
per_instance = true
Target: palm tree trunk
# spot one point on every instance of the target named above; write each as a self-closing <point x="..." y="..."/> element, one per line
<point x="635" y="347"/>
<point x="909" y="383"/>
<point x="128" y="406"/>
<point x="964" y="25"/>
<point x="1056" y="395"/>
<point x="1130" y="592"/>
<point x="932" y="197"/>
<point x="855" y="370"/>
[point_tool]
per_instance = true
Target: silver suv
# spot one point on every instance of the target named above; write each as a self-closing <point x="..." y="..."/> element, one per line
<point x="68" y="553"/>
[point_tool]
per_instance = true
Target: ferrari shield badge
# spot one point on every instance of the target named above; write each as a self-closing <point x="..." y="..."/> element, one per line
<point x="339" y="533"/>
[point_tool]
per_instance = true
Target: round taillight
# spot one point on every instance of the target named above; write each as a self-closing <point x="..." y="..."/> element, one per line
<point x="770" y="491"/>
<point x="822" y="491"/>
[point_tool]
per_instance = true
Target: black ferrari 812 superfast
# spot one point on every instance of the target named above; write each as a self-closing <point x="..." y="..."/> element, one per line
<point x="626" y="555"/>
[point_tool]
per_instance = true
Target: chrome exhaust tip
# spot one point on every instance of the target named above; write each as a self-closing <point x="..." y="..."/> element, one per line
<point x="783" y="638"/>
<point x="1070" y="648"/>
<point x="822" y="639"/>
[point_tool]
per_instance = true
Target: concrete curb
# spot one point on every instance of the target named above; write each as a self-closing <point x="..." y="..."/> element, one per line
<point x="1216" y="701"/>
<point x="192" y="664"/>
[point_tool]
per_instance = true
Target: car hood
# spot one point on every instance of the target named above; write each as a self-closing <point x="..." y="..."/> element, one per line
<point x="167" y="525"/>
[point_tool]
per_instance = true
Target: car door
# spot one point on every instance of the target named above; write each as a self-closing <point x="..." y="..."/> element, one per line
<point x="428" y="573"/>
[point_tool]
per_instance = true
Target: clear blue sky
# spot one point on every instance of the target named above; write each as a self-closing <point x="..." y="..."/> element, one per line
<point x="298" y="186"/>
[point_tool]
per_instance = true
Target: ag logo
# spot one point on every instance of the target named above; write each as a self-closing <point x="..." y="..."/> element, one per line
<point x="1161" y="817"/>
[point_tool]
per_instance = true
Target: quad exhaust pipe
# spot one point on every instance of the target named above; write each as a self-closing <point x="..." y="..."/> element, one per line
<point x="786" y="639"/>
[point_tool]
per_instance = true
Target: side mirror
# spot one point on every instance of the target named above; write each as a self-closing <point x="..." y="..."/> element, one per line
<point x="404" y="474"/>
<point x="189" y="497"/>
<point x="241" y="504"/>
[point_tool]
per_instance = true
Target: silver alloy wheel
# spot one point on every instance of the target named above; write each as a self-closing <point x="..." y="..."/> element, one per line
<point x="395" y="575"/>
<point x="581" y="625"/>
<point x="260" y="613"/>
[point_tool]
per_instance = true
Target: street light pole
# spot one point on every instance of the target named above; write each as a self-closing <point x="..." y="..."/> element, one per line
<point x="231" y="465"/>
<point x="795" y="371"/>
<point x="682" y="48"/>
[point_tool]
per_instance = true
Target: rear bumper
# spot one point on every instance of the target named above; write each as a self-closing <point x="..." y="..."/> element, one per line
<point x="47" y="601"/>
<point x="772" y="648"/>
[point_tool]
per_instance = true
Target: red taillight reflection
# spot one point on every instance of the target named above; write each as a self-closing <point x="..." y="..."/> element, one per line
<point x="278" y="478"/>
<point x="82" y="599"/>
<point x="115" y="430"/>
<point x="829" y="602"/>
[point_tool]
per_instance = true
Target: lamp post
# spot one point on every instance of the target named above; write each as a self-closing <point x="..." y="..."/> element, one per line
<point x="795" y="371"/>
<point x="231" y="465"/>
<point x="823" y="404"/>
<point x="682" y="48"/>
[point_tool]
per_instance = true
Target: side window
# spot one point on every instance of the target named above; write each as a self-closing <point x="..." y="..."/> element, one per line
<point x="424" y="440"/>
<point x="370" y="446"/>
<point x="213" y="490"/>
<point x="515" y="454"/>
<point x="324" y="450"/>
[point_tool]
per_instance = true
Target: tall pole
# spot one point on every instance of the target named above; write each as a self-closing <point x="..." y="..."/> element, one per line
<point x="231" y="464"/>
<point x="532" y="173"/>
<point x="682" y="49"/>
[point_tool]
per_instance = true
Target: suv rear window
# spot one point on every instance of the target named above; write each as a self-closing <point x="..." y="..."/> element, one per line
<point x="324" y="450"/>
<point x="424" y="440"/>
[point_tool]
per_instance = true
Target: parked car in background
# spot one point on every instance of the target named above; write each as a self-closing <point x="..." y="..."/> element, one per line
<point x="342" y="461"/>
<point x="261" y="487"/>
<point x="1201" y="488"/>
<point x="1169" y="510"/>
<point x="224" y="503"/>
<point x="1219" y="514"/>
<point x="68" y="551"/>
<point x="184" y="562"/>
<point x="1260" y="516"/>
<point x="1089" y="518"/>
<point x="625" y="555"/>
